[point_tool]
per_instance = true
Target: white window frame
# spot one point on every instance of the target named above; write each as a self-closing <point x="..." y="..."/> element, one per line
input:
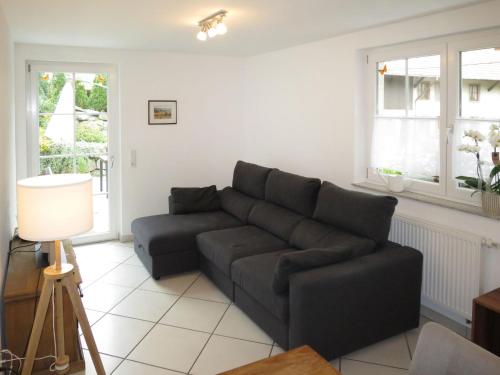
<point x="449" y="49"/>
<point x="406" y="52"/>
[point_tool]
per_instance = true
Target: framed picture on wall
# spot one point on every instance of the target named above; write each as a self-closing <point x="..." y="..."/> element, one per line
<point x="162" y="112"/>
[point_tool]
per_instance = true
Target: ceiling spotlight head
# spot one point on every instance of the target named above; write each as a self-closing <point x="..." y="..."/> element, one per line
<point x="212" y="25"/>
<point x="221" y="28"/>
<point x="202" y="35"/>
<point x="212" y="31"/>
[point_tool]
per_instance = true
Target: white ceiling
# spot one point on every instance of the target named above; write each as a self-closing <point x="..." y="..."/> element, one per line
<point x="255" y="26"/>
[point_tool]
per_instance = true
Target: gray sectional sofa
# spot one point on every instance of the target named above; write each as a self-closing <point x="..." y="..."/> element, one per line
<point x="309" y="262"/>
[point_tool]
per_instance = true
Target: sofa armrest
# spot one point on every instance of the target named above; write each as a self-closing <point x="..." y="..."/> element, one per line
<point x="345" y="306"/>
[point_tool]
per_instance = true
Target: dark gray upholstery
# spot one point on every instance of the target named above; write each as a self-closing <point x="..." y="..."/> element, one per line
<point x="223" y="247"/>
<point x="294" y="192"/>
<point x="236" y="203"/>
<point x="250" y="179"/>
<point x="363" y="214"/>
<point x="301" y="260"/>
<point x="255" y="276"/>
<point x="313" y="234"/>
<point x="335" y="308"/>
<point x="187" y="200"/>
<point x="162" y="234"/>
<point x="278" y="220"/>
<point x="349" y="305"/>
<point x="274" y="327"/>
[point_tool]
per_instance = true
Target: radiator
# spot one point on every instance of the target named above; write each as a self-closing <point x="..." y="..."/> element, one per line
<point x="452" y="264"/>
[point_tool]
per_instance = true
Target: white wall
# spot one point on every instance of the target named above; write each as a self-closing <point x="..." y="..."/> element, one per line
<point x="302" y="113"/>
<point x="201" y="149"/>
<point x="7" y="197"/>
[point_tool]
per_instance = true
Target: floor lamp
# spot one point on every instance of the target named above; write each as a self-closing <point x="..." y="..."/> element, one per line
<point x="52" y="208"/>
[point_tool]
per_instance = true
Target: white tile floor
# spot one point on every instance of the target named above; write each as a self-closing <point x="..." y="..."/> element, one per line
<point x="184" y="325"/>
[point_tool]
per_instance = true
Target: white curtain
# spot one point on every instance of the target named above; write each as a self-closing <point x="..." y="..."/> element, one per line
<point x="407" y="145"/>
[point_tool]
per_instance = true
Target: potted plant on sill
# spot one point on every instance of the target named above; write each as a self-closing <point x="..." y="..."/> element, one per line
<point x="495" y="143"/>
<point x="489" y="186"/>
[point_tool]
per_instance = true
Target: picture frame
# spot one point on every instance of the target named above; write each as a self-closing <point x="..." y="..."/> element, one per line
<point x="162" y="112"/>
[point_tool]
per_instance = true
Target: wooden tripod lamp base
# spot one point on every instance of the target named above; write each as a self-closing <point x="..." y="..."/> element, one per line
<point x="55" y="278"/>
<point x="50" y="208"/>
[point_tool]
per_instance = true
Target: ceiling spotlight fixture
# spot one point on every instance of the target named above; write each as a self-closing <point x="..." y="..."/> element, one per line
<point x="212" y="25"/>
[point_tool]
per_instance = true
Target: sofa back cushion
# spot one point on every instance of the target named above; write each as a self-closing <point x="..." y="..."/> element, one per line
<point x="292" y="191"/>
<point x="313" y="234"/>
<point x="275" y="219"/>
<point x="250" y="179"/>
<point x="236" y="203"/>
<point x="296" y="261"/>
<point x="186" y="200"/>
<point x="363" y="214"/>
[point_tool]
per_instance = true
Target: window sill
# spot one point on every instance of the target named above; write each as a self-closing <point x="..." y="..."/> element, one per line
<point x="442" y="202"/>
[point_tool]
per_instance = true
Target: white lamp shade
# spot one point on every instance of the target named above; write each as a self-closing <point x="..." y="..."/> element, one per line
<point x="54" y="207"/>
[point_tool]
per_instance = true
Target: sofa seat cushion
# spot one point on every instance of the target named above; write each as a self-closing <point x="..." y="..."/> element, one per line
<point x="250" y="179"/>
<point x="236" y="203"/>
<point x="161" y="234"/>
<point x="255" y="276"/>
<point x="223" y="247"/>
<point x="297" y="193"/>
<point x="313" y="234"/>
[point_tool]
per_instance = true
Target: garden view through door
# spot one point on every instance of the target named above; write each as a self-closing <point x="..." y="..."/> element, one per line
<point x="73" y="133"/>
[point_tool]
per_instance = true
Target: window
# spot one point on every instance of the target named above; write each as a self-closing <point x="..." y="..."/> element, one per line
<point x="406" y="126"/>
<point x="423" y="97"/>
<point x="474" y="90"/>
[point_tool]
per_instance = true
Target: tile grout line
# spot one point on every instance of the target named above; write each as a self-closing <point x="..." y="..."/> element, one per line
<point x="376" y="364"/>
<point x="209" y="338"/>
<point x="408" y="346"/>
<point x="271" y="351"/>
<point x="127" y="295"/>
<point x="155" y="324"/>
<point x="105" y="312"/>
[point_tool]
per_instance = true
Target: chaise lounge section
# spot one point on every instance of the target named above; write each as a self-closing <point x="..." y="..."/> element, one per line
<point x="309" y="262"/>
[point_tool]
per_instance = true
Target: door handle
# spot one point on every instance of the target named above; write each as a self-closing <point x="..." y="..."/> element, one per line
<point x="112" y="161"/>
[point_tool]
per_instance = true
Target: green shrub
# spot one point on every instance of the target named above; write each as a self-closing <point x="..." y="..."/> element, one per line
<point x="90" y="132"/>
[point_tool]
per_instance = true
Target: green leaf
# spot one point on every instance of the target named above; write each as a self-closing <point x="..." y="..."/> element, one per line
<point x="495" y="171"/>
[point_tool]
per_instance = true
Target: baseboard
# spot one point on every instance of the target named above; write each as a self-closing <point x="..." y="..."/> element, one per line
<point x="458" y="327"/>
<point x="445" y="311"/>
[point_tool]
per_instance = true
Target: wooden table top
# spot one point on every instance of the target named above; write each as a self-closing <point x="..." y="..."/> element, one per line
<point x="490" y="300"/>
<point x="300" y="361"/>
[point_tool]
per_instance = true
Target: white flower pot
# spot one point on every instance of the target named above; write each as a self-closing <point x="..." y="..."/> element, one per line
<point x="491" y="203"/>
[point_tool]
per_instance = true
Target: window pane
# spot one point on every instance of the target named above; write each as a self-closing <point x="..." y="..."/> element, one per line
<point x="480" y="84"/>
<point x="465" y="161"/>
<point x="391" y="88"/>
<point x="91" y="92"/>
<point x="409" y="146"/>
<point x="91" y="134"/>
<point x="57" y="164"/>
<point x="55" y="93"/>
<point x="423" y="81"/>
<point x="56" y="134"/>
